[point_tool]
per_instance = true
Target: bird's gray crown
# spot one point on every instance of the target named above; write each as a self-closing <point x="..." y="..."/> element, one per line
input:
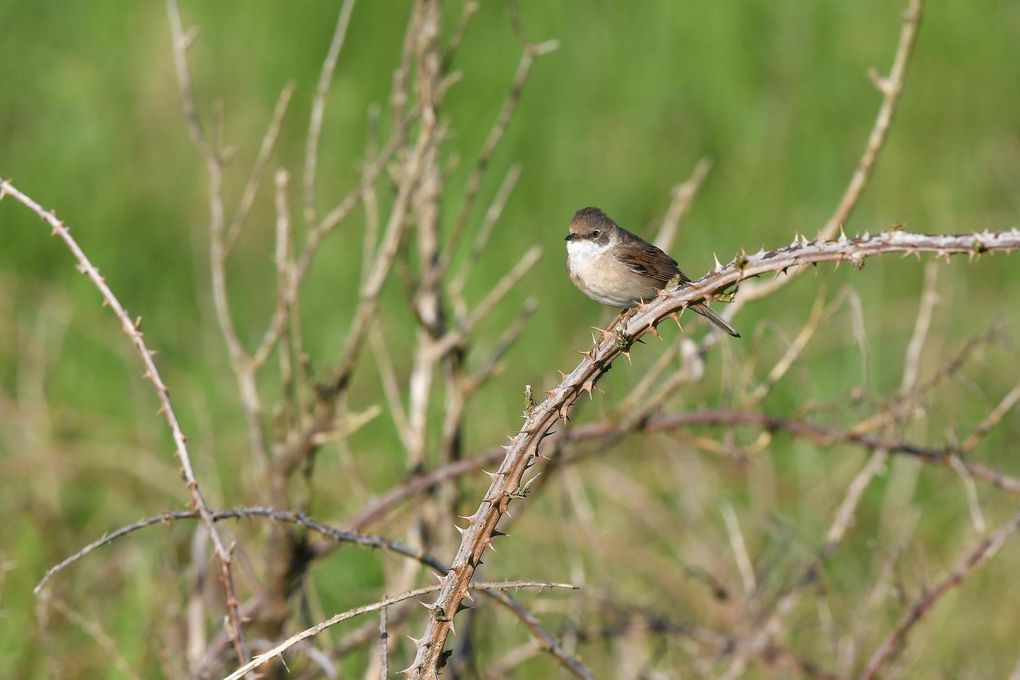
<point x="591" y="223"/>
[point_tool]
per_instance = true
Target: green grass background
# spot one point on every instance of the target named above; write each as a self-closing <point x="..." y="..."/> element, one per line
<point x="774" y="93"/>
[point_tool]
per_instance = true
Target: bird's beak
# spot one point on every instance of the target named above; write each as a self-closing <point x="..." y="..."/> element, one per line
<point x="570" y="237"/>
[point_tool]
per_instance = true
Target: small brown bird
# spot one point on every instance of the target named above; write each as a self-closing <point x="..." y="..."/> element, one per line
<point x="613" y="266"/>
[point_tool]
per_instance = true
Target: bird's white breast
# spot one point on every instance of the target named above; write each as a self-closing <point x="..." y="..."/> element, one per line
<point x="602" y="277"/>
<point x="581" y="255"/>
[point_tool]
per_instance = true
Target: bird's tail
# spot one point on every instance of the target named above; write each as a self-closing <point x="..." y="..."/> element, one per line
<point x="703" y="310"/>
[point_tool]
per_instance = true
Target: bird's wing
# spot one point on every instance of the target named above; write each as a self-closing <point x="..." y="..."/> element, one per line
<point x="647" y="260"/>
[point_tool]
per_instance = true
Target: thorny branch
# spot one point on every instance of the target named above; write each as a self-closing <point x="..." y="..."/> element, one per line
<point x="413" y="240"/>
<point x="133" y="330"/>
<point x="522" y="452"/>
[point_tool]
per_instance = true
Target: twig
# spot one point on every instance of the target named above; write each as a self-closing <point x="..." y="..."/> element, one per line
<point x="131" y="329"/>
<point x="488" y="303"/>
<point x="319" y="108"/>
<point x="279" y="649"/>
<point x="492" y="216"/>
<point x="492" y="140"/>
<point x="923" y="322"/>
<point x="550" y="643"/>
<point x="991" y="420"/>
<point x="384" y="646"/>
<point x="239" y="359"/>
<point x="333" y="533"/>
<point x="973" y="560"/>
<point x="683" y="196"/>
<point x="739" y="550"/>
<point x="388" y="378"/>
<point x="96" y="632"/>
<point x="259" y="167"/>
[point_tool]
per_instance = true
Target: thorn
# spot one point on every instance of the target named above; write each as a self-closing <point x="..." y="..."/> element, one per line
<point x="416" y="641"/>
<point x="588" y="386"/>
<point x="718" y="265"/>
<point x="654" y="331"/>
<point x="496" y="533"/>
<point x="460" y="530"/>
<point x="462" y="607"/>
<point x="492" y="475"/>
<point x="527" y="487"/>
<point x="626" y="353"/>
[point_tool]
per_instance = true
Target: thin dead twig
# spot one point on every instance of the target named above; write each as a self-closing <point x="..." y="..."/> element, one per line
<point x="683" y="196"/>
<point x="258" y="168"/>
<point x="319" y="108"/>
<point x="531" y="53"/>
<point x="384" y="646"/>
<point x="261" y="659"/>
<point x="95" y="631"/>
<point x="977" y="557"/>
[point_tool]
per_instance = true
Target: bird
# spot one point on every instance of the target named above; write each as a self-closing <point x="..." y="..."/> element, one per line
<point x="615" y="267"/>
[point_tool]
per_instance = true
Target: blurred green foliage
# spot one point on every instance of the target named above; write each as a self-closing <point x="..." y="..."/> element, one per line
<point x="774" y="93"/>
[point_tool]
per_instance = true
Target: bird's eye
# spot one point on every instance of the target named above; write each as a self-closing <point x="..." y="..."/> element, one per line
<point x="595" y="234"/>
